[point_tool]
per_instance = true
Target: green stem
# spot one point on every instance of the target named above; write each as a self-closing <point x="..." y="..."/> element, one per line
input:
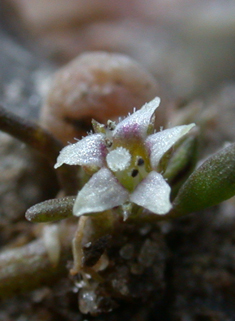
<point x="42" y="141"/>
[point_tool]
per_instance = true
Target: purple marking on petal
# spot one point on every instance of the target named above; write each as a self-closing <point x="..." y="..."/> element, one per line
<point x="136" y="125"/>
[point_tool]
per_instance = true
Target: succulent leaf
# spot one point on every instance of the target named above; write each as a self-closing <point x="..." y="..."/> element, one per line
<point x="213" y="182"/>
<point x="51" y="210"/>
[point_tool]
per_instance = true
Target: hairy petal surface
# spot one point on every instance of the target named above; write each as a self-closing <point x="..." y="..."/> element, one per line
<point x="158" y="144"/>
<point x="101" y="192"/>
<point x="136" y="125"/>
<point x="90" y="151"/>
<point x="153" y="193"/>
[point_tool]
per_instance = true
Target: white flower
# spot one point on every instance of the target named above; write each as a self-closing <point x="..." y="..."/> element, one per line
<point x="124" y="159"/>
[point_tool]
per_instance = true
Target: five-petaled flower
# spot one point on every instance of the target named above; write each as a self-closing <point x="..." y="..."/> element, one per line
<point x="124" y="160"/>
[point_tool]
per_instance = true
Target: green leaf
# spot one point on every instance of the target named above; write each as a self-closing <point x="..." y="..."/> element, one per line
<point x="51" y="210"/>
<point x="213" y="182"/>
<point x="181" y="164"/>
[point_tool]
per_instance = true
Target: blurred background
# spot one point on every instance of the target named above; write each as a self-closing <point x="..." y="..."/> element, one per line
<point x="189" y="45"/>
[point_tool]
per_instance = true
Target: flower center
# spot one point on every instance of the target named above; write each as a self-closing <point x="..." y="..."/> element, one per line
<point x="128" y="168"/>
<point x="124" y="159"/>
<point x="118" y="159"/>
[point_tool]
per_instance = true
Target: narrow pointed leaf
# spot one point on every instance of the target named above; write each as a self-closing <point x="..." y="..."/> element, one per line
<point x="182" y="161"/>
<point x="181" y="164"/>
<point x="213" y="182"/>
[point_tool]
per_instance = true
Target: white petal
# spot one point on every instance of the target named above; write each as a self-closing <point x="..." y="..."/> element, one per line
<point x="89" y="151"/>
<point x="158" y="144"/>
<point x="101" y="192"/>
<point x="118" y="159"/>
<point x="153" y="193"/>
<point x="137" y="123"/>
